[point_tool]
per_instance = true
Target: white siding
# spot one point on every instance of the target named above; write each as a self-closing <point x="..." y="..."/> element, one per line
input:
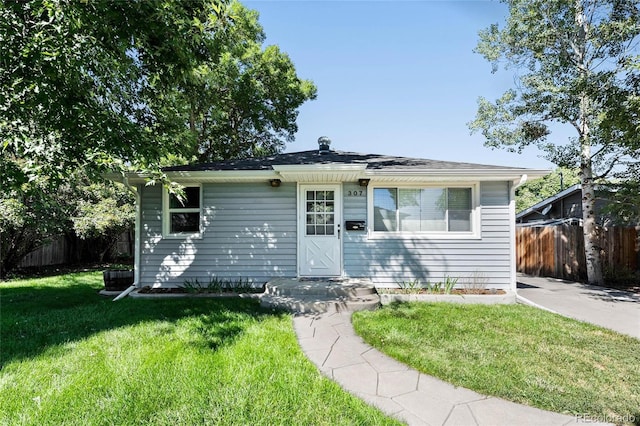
<point x="249" y="232"/>
<point x="389" y="261"/>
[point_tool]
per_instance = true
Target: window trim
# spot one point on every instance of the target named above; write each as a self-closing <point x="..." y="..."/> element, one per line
<point x="167" y="211"/>
<point x="475" y="232"/>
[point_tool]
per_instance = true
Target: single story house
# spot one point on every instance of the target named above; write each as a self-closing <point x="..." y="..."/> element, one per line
<point x="327" y="213"/>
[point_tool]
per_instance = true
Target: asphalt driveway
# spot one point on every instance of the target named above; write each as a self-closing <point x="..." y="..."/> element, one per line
<point x="614" y="309"/>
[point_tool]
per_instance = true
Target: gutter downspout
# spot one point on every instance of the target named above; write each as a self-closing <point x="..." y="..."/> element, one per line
<point x="136" y="250"/>
<point x="512" y="230"/>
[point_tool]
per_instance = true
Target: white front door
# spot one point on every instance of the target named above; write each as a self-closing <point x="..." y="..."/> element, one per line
<point x="319" y="241"/>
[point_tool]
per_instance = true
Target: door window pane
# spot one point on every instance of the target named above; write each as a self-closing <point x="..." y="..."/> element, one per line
<point x="320" y="213"/>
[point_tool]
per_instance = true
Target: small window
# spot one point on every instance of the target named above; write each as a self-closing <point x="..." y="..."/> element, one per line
<point x="422" y="210"/>
<point x="320" y="213"/>
<point x="183" y="215"/>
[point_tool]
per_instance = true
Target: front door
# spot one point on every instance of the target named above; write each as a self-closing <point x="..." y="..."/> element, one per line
<point x="320" y="247"/>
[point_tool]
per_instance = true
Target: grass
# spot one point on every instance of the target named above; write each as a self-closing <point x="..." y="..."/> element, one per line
<point x="514" y="352"/>
<point x="70" y="356"/>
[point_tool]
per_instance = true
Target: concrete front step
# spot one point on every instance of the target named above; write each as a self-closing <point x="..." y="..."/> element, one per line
<point x="311" y="304"/>
<point x="332" y="289"/>
<point x="317" y="296"/>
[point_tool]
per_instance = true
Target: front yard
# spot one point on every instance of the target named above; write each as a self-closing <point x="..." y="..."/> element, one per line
<point x="70" y="356"/>
<point x="514" y="352"/>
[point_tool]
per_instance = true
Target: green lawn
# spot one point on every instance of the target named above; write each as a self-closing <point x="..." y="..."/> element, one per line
<point x="70" y="356"/>
<point x="514" y="352"/>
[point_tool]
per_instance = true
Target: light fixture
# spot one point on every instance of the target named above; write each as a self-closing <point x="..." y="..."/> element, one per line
<point x="363" y="182"/>
<point x="275" y="182"/>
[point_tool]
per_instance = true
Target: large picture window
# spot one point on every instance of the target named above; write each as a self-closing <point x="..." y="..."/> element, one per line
<point x="183" y="215"/>
<point x="424" y="210"/>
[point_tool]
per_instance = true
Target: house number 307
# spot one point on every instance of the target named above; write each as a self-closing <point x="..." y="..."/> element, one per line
<point x="357" y="193"/>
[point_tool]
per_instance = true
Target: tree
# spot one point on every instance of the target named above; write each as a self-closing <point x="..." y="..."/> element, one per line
<point x="78" y="80"/>
<point x="110" y="84"/>
<point x="103" y="211"/>
<point x="540" y="189"/>
<point x="578" y="63"/>
<point x="244" y="101"/>
<point x="87" y="87"/>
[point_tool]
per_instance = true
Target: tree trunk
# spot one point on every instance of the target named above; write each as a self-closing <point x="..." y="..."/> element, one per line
<point x="591" y="249"/>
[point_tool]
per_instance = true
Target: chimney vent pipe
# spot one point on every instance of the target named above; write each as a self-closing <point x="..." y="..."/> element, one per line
<point x="324" y="145"/>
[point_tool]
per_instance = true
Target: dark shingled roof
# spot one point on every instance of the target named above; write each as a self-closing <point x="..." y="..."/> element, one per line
<point x="373" y="161"/>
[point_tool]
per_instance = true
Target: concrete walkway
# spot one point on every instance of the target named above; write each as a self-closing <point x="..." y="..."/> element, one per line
<point x="331" y="343"/>
<point x="614" y="309"/>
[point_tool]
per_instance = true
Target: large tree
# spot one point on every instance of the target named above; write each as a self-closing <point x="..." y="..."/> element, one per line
<point x="78" y="80"/>
<point x="100" y="85"/>
<point x="244" y="101"/>
<point x="576" y="63"/>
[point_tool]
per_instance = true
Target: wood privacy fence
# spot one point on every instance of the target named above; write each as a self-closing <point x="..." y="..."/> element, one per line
<point x="558" y="251"/>
<point x="64" y="251"/>
<point x="55" y="253"/>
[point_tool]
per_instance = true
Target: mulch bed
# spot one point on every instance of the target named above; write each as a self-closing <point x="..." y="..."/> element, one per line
<point x="426" y="291"/>
<point x="178" y="290"/>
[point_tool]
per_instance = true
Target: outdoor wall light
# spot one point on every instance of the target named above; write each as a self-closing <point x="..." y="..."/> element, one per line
<point x="363" y="182"/>
<point x="275" y="182"/>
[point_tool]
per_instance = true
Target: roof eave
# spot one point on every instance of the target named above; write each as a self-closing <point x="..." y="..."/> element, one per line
<point x="476" y="174"/>
<point x="334" y="173"/>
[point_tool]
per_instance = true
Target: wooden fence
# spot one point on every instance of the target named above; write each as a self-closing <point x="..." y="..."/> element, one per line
<point x="62" y="251"/>
<point x="55" y="253"/>
<point x="558" y="251"/>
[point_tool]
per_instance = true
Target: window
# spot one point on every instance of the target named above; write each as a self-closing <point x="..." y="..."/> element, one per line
<point x="183" y="216"/>
<point x="423" y="210"/>
<point x="320" y="213"/>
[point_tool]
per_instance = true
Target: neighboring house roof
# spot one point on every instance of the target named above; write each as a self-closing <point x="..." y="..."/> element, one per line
<point x="565" y="207"/>
<point x="336" y="166"/>
<point x="547" y="202"/>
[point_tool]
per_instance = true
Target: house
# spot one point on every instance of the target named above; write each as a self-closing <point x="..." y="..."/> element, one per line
<point x="328" y="213"/>
<point x="565" y="207"/>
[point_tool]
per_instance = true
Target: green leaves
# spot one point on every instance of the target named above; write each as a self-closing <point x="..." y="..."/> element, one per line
<point x="130" y="83"/>
<point x="578" y="66"/>
<point x="103" y="210"/>
<point x="80" y="78"/>
<point x="104" y="85"/>
<point x="539" y="189"/>
<point x="505" y="124"/>
<point x="244" y="101"/>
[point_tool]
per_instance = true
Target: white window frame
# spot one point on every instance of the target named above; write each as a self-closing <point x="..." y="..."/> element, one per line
<point x="166" y="215"/>
<point x="475" y="232"/>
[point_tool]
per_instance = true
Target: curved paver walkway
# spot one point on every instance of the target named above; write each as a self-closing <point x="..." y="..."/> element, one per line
<point x="330" y="342"/>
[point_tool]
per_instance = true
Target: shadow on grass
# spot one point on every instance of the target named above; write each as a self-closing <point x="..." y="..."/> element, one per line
<point x="37" y="317"/>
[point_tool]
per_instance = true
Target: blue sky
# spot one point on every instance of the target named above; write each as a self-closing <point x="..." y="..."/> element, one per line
<point x="393" y="77"/>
